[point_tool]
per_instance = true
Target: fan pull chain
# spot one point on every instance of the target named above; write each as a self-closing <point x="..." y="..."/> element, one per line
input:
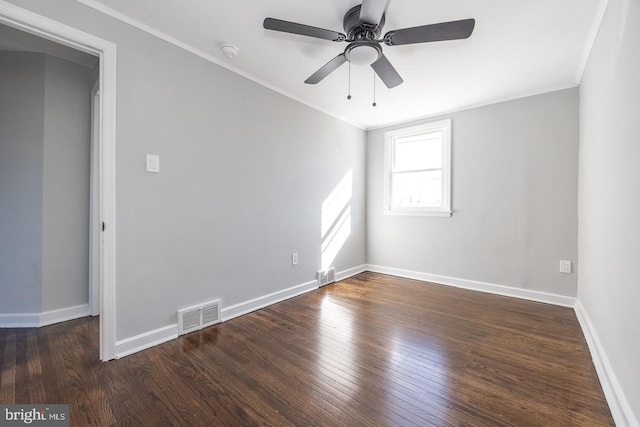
<point x="349" y="95"/>
<point x="374" y="89"/>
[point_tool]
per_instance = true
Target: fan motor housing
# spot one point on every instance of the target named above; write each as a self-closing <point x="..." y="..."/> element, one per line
<point x="357" y="30"/>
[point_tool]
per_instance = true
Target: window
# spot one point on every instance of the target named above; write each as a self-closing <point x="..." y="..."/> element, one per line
<point x="418" y="170"/>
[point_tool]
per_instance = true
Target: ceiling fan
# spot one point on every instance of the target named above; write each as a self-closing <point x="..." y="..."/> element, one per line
<point x="363" y="26"/>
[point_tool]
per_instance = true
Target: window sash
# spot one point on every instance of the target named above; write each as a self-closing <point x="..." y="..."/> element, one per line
<point x="417" y="189"/>
<point x="425" y="204"/>
<point x="426" y="140"/>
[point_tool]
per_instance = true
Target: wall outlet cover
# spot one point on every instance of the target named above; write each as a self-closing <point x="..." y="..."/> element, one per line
<point x="565" y="267"/>
<point x="153" y="163"/>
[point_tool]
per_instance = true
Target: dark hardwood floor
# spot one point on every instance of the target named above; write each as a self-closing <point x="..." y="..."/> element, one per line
<point x="373" y="350"/>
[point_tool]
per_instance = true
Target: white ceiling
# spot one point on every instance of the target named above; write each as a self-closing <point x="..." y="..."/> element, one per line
<point x="518" y="48"/>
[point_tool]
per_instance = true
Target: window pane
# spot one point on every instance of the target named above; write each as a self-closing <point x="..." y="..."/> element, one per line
<point x="424" y="152"/>
<point x="417" y="189"/>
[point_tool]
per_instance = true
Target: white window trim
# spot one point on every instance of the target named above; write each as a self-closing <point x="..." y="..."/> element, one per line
<point x="445" y="209"/>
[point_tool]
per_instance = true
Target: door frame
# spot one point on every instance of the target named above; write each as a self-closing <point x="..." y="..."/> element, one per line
<point x="47" y="28"/>
<point x="95" y="223"/>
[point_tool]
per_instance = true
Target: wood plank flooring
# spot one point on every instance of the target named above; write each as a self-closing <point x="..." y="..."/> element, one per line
<point x="373" y="350"/>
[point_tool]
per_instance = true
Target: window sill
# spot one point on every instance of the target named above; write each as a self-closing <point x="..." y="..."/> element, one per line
<point x="407" y="212"/>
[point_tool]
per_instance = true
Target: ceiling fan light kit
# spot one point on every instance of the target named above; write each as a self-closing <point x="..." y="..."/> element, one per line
<point x="363" y="53"/>
<point x="363" y="26"/>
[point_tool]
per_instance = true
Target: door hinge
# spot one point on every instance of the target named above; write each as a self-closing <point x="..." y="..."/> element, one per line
<point x="103" y="226"/>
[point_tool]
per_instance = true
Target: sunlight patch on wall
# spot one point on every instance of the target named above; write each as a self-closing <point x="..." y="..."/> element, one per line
<point x="336" y="220"/>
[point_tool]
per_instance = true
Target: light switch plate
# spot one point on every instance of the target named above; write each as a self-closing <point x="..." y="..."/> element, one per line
<point x="153" y="163"/>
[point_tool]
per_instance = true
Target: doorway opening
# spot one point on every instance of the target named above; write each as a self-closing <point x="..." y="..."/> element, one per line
<point x="104" y="214"/>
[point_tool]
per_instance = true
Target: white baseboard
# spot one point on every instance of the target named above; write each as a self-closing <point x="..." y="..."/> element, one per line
<point x="149" y="339"/>
<point x="245" y="307"/>
<point x="350" y="272"/>
<point x="20" y="320"/>
<point x="36" y="320"/>
<point x="64" y="314"/>
<point x="146" y="340"/>
<point x="491" y="288"/>
<point x="620" y="409"/>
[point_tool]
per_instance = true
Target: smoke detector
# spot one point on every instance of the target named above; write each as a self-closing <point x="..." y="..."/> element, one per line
<point x="229" y="51"/>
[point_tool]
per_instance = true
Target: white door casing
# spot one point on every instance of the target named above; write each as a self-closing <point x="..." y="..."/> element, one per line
<point x="95" y="222"/>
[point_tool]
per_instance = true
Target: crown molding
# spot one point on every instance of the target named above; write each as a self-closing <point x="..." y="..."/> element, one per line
<point x="204" y="55"/>
<point x="595" y="28"/>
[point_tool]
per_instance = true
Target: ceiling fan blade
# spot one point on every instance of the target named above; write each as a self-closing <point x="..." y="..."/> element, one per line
<point x="371" y="11"/>
<point x="454" y="30"/>
<point x="386" y="72"/>
<point x="327" y="69"/>
<point x="303" y="30"/>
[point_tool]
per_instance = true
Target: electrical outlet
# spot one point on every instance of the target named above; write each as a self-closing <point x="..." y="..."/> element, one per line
<point x="565" y="267"/>
<point x="294" y="259"/>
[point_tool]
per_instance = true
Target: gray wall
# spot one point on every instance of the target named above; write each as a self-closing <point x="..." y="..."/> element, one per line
<point x="514" y="199"/>
<point x="21" y="161"/>
<point x="44" y="188"/>
<point x="244" y="173"/>
<point x="65" y="215"/>
<point x="609" y="195"/>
